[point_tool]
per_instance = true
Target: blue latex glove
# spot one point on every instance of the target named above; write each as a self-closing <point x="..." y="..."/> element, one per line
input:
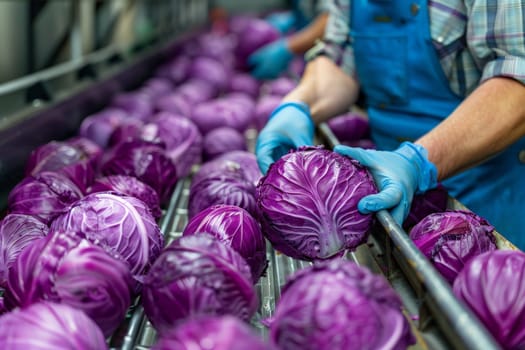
<point x="398" y="174"/>
<point x="269" y="61"/>
<point x="289" y="127"/>
<point x="282" y="21"/>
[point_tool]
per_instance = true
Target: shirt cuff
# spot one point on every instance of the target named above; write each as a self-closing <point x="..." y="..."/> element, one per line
<point x="508" y="66"/>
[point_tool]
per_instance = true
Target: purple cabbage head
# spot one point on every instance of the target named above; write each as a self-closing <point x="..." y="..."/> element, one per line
<point x="339" y="305"/>
<point x="122" y="225"/>
<point x="66" y="158"/>
<point x="156" y="87"/>
<point x="255" y="34"/>
<point x="222" y="140"/>
<point x="451" y="238"/>
<point x="308" y="203"/>
<point x="137" y="104"/>
<point x="349" y="127"/>
<point x="244" y="82"/>
<point x="279" y="87"/>
<point x="423" y="204"/>
<point x="221" y="182"/>
<point x="264" y="108"/>
<point x="17" y="231"/>
<point x="47" y="325"/>
<point x="235" y="227"/>
<point x="128" y="130"/>
<point x="44" y="196"/>
<point x="99" y="127"/>
<point x="212" y="332"/>
<point x="66" y="268"/>
<point x="182" y="139"/>
<point x="492" y="284"/>
<point x="176" y="70"/>
<point x="146" y="161"/>
<point x="240" y="159"/>
<point x="130" y="186"/>
<point x="211" y="71"/>
<point x="221" y="112"/>
<point x="197" y="275"/>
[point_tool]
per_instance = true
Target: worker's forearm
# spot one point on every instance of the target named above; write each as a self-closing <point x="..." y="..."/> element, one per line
<point x="326" y="89"/>
<point x="490" y="119"/>
<point x="303" y="40"/>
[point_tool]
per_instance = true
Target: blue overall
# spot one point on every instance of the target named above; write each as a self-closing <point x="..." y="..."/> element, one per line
<point x="408" y="94"/>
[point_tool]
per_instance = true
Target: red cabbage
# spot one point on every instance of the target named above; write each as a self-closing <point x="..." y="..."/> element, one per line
<point x="235" y="227"/>
<point x="120" y="224"/>
<point x="128" y="130"/>
<point x="185" y="97"/>
<point x="239" y="159"/>
<point x="255" y="34"/>
<point x="64" y="158"/>
<point x="212" y="332"/>
<point x="308" y="203"/>
<point x="492" y="284"/>
<point x="131" y="186"/>
<point x="182" y="139"/>
<point x="137" y="104"/>
<point x="264" y="108"/>
<point x="423" y="204"/>
<point x="46" y="325"/>
<point x="99" y="127"/>
<point x="244" y="82"/>
<point x="221" y="182"/>
<point x="174" y="103"/>
<point x="64" y="267"/>
<point x="279" y="87"/>
<point x="197" y="275"/>
<point x="175" y="70"/>
<point x="451" y="238"/>
<point x="222" y="140"/>
<point x="339" y="305"/>
<point x="221" y="112"/>
<point x="146" y="161"/>
<point x="349" y="127"/>
<point x="156" y="87"/>
<point x="44" y="196"/>
<point x="17" y="231"/>
<point x="211" y="71"/>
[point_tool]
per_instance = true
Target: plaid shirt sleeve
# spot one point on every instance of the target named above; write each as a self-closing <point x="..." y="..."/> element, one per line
<point x="335" y="43"/>
<point x="496" y="37"/>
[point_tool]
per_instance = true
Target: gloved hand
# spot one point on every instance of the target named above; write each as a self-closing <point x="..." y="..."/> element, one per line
<point x="289" y="126"/>
<point x="398" y="174"/>
<point x="282" y="21"/>
<point x="270" y="60"/>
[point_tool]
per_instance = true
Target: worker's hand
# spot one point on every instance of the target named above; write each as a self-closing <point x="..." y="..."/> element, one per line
<point x="398" y="174"/>
<point x="269" y="61"/>
<point x="290" y="126"/>
<point x="282" y="21"/>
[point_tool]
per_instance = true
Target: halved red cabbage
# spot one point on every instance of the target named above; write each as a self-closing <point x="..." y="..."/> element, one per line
<point x="339" y="305"/>
<point x="99" y="127"/>
<point x="131" y="186"/>
<point x="17" y="231"/>
<point x="181" y="137"/>
<point x="197" y="275"/>
<point x="47" y="325"/>
<point x="212" y="332"/>
<point x="222" y="182"/>
<point x="235" y="227"/>
<point x="146" y="161"/>
<point x="492" y="284"/>
<point x="222" y="140"/>
<point x="66" y="268"/>
<point x="349" y="127"/>
<point x="122" y="225"/>
<point x="65" y="158"/>
<point x="451" y="238"/>
<point x="308" y="203"/>
<point x="44" y="196"/>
